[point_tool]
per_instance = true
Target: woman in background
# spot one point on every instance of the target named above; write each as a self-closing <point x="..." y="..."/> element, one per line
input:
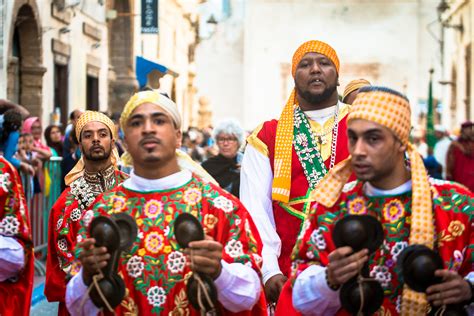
<point x="225" y="167"/>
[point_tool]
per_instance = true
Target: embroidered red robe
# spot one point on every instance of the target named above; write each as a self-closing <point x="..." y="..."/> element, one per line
<point x="63" y="228"/>
<point x="288" y="217"/>
<point x="155" y="270"/>
<point x="453" y="209"/>
<point x="15" y="293"/>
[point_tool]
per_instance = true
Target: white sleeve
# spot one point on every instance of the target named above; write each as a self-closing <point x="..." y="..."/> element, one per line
<point x="238" y="287"/>
<point x="312" y="295"/>
<point x="78" y="302"/>
<point x="256" y="178"/>
<point x="12" y="257"/>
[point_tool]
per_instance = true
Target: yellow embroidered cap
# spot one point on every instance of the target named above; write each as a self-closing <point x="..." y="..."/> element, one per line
<point x="94" y="116"/>
<point x="353" y="86"/>
<point x="150" y="96"/>
<point x="314" y="47"/>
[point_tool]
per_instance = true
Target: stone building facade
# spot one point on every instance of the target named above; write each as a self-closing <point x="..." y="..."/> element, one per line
<point x="457" y="22"/>
<point x="384" y="41"/>
<point x="69" y="54"/>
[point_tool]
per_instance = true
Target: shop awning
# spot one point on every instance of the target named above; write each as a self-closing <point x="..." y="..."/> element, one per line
<point x="144" y="66"/>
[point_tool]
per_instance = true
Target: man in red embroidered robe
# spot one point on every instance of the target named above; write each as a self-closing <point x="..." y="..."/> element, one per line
<point x="156" y="268"/>
<point x="95" y="173"/>
<point x="412" y="208"/>
<point x="16" y="246"/>
<point x="286" y="158"/>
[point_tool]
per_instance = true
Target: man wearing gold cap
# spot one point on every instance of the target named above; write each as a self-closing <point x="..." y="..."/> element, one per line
<point x="412" y="208"/>
<point x="96" y="172"/>
<point x="154" y="271"/>
<point x="352" y="89"/>
<point x="286" y="158"/>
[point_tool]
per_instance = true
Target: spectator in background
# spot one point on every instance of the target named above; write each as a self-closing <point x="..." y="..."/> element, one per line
<point x="442" y="145"/>
<point x="53" y="137"/>
<point x="225" y="167"/>
<point x="10" y="135"/>
<point x="460" y="159"/>
<point x="33" y="126"/>
<point x="418" y="136"/>
<point x="352" y="89"/>
<point x="73" y="117"/>
<point x="197" y="153"/>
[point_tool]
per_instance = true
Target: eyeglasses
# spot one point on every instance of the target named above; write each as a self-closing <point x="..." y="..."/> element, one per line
<point x="226" y="139"/>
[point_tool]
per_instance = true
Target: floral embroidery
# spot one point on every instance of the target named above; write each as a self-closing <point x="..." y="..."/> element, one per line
<point x="153" y="208"/>
<point x="357" y="206"/>
<point x="62" y="244"/>
<point x="317" y="239"/>
<point x="76" y="215"/>
<point x="5" y="182"/>
<point x="210" y="221"/>
<point x="9" y="226"/>
<point x="156" y="296"/>
<point x="135" y="266"/>
<point x="234" y="248"/>
<point x="457" y="261"/>
<point x="224" y="204"/>
<point x="397" y="249"/>
<point x="176" y="262"/>
<point x="154" y="242"/>
<point x="381" y="274"/>
<point x="393" y="211"/>
<point x="59" y="223"/>
<point x="88" y="218"/>
<point x="456" y="228"/>
<point x="118" y="204"/>
<point x="192" y="196"/>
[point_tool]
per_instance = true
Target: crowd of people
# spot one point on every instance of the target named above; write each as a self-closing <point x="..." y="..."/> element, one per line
<point x="268" y="205"/>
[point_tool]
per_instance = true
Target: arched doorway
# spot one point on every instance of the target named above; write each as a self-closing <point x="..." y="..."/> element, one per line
<point x="25" y="69"/>
<point x="122" y="81"/>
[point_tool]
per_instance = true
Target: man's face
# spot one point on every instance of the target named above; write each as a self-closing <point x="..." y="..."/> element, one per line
<point x="151" y="136"/>
<point x="96" y="141"/>
<point x="375" y="150"/>
<point x="467" y="132"/>
<point x="315" y="78"/>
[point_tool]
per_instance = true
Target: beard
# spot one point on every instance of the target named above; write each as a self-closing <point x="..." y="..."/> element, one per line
<point x="316" y="98"/>
<point x="98" y="157"/>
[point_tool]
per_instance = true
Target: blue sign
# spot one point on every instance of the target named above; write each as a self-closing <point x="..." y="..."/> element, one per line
<point x="150" y="16"/>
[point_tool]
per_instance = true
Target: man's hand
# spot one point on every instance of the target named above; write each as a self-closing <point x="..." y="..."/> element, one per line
<point x="454" y="289"/>
<point x="92" y="259"/>
<point x="344" y="264"/>
<point x="273" y="287"/>
<point x="205" y="256"/>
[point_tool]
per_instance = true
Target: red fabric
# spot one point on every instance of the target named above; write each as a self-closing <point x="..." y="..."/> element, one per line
<point x="463" y="164"/>
<point x="64" y="224"/>
<point x="452" y="210"/>
<point x="288" y="225"/>
<point x="15" y="296"/>
<point x="153" y="269"/>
